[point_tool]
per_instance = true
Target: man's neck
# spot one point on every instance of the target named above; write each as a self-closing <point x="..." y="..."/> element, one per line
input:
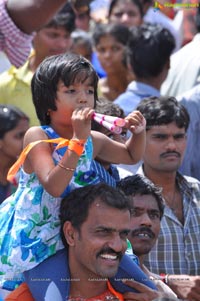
<point x="141" y="262"/>
<point x="153" y="82"/>
<point x="83" y="284"/>
<point x="141" y="259"/>
<point x="166" y="180"/>
<point x="87" y="289"/>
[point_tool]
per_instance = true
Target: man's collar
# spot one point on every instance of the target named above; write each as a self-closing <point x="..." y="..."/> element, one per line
<point x="118" y="295"/>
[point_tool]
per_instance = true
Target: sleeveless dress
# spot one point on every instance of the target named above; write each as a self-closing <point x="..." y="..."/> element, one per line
<point x="29" y="219"/>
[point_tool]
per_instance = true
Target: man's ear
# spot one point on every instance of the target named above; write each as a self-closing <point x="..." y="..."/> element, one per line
<point x="69" y="232"/>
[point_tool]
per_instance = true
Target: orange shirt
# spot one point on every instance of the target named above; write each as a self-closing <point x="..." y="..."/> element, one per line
<point x="22" y="293"/>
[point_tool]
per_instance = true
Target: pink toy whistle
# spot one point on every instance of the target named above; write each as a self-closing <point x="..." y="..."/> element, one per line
<point x="108" y="125"/>
<point x="111" y="119"/>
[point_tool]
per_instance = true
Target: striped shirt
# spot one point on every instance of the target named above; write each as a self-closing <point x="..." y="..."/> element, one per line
<point x="15" y="43"/>
<point x="177" y="250"/>
<point x="110" y="176"/>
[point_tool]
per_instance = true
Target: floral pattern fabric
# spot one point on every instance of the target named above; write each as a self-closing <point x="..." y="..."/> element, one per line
<point x="29" y="219"/>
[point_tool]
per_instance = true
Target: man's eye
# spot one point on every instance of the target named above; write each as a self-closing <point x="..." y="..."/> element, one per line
<point x="103" y="231"/>
<point x="161" y="137"/>
<point x="179" y="136"/>
<point x="154" y="215"/>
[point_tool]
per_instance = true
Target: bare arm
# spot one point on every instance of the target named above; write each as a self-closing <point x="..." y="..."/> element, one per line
<point x="53" y="177"/>
<point x="30" y="15"/>
<point x="136" y="123"/>
<point x="145" y="293"/>
<point x="185" y="286"/>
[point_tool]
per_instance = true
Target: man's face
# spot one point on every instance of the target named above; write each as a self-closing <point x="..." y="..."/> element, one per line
<point x="165" y="146"/>
<point x="51" y="41"/>
<point x="145" y="224"/>
<point x="97" y="248"/>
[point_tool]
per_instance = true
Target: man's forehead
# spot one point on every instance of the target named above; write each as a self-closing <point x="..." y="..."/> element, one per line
<point x="99" y="206"/>
<point x="102" y="213"/>
<point x="145" y="201"/>
<point x="166" y="128"/>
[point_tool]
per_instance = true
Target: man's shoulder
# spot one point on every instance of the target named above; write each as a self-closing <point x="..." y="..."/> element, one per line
<point x="13" y="74"/>
<point x="190" y="98"/>
<point x="130" y="99"/>
<point x="191" y="180"/>
<point x="7" y="76"/>
<point x="7" y="86"/>
<point x="190" y="184"/>
<point x="125" y="95"/>
<point x="188" y="52"/>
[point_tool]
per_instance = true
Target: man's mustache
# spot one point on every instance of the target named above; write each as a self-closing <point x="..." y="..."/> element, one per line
<point x="166" y="154"/>
<point x="146" y="230"/>
<point x="111" y="252"/>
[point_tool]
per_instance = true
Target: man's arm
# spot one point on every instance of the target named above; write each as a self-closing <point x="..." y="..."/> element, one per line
<point x="185" y="286"/>
<point x="18" y="20"/>
<point x="30" y="15"/>
<point x="145" y="293"/>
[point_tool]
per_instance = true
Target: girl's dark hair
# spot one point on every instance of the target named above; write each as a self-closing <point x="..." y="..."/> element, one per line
<point x="68" y="68"/>
<point x="9" y="118"/>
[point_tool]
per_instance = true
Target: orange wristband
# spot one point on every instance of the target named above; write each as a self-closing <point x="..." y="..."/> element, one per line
<point x="77" y="146"/>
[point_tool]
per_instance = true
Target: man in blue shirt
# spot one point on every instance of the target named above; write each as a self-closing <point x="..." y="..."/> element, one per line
<point x="95" y="243"/>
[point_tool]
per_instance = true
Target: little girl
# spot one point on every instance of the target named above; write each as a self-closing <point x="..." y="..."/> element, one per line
<point x="59" y="155"/>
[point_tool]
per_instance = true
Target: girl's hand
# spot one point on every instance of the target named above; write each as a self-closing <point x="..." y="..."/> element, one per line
<point x="135" y="122"/>
<point x="81" y="122"/>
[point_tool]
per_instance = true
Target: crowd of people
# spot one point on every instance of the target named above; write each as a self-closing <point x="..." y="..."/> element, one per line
<point x="99" y="135"/>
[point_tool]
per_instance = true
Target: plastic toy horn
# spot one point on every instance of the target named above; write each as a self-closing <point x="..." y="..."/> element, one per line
<point x="113" y="124"/>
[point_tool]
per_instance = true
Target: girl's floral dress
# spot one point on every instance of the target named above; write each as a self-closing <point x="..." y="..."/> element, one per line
<point x="29" y="219"/>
